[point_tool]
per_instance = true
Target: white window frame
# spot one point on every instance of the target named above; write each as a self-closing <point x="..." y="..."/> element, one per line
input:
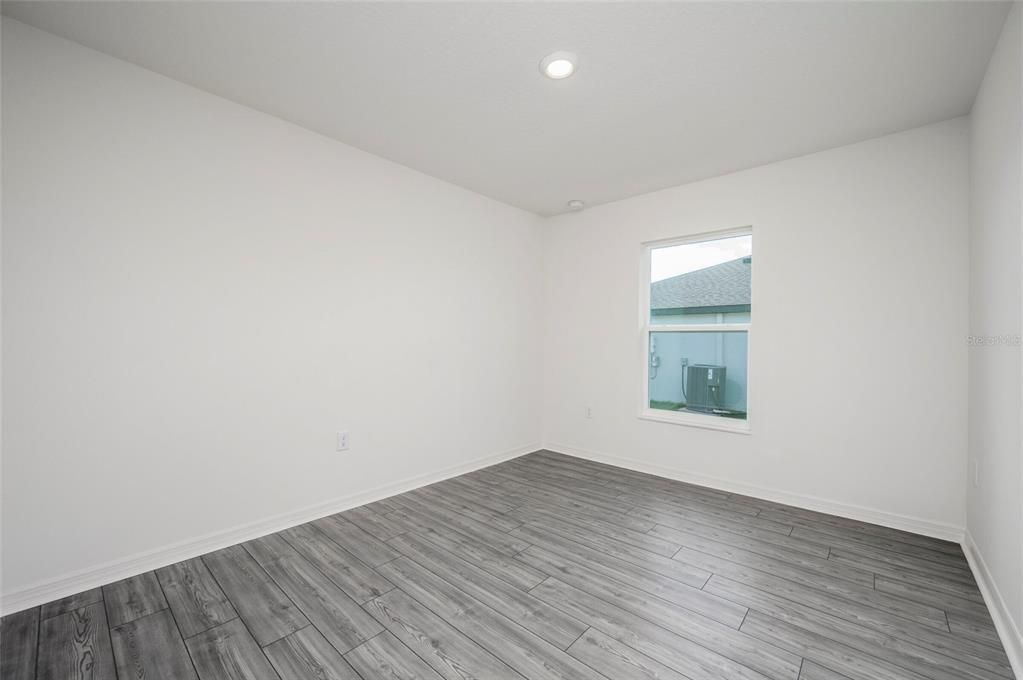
<point x="646" y="328"/>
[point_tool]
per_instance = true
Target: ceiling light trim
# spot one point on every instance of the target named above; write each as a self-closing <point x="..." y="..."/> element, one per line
<point x="559" y="65"/>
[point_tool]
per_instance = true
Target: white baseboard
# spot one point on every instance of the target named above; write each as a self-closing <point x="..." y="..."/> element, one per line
<point x="1007" y="629"/>
<point x="916" y="525"/>
<point x="115" y="570"/>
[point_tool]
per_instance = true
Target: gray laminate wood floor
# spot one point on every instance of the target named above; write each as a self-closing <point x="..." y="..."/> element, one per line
<point x="542" y="567"/>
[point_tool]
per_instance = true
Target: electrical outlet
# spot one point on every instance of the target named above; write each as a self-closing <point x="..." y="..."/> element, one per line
<point x="342" y="441"/>
<point x="589" y="412"/>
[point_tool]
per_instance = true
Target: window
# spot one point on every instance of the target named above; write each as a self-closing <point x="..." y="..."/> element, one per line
<point x="697" y="318"/>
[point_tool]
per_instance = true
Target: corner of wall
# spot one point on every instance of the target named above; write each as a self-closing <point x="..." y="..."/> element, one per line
<point x="1001" y="614"/>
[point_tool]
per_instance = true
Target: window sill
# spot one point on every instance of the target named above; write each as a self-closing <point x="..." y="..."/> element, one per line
<point x="697" y="420"/>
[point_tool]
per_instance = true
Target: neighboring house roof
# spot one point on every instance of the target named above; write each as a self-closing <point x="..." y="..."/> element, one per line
<point x="723" y="285"/>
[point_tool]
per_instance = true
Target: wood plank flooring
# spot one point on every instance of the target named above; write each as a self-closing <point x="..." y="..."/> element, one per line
<point x="545" y="566"/>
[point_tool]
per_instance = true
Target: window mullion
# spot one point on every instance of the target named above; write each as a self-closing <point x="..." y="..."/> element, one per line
<point x="699" y="328"/>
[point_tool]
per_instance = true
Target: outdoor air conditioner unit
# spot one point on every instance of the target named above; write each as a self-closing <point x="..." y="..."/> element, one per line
<point x="705" y="387"/>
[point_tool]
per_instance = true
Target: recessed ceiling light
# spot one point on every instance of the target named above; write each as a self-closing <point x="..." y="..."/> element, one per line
<point x="558" y="65"/>
<point x="575" y="204"/>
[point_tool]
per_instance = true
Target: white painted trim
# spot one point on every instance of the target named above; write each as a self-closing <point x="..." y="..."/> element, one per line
<point x="115" y="570"/>
<point x="916" y="525"/>
<point x="698" y="327"/>
<point x="1008" y="631"/>
<point x="707" y="422"/>
<point x="702" y="237"/>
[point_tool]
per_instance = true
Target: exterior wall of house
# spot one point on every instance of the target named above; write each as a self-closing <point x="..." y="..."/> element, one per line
<point x="722" y="349"/>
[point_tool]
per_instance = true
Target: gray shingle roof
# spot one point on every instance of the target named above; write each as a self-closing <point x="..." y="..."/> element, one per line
<point x="722" y="285"/>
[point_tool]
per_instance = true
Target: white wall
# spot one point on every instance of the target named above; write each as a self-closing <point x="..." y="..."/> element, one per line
<point x="995" y="498"/>
<point x="198" y="296"/>
<point x="858" y="377"/>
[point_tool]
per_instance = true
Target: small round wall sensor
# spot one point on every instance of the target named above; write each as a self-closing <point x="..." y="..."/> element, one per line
<point x="576" y="204"/>
<point x="558" y="65"/>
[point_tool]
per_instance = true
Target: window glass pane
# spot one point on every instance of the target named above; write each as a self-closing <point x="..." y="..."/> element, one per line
<point x="699" y="372"/>
<point x="701" y="283"/>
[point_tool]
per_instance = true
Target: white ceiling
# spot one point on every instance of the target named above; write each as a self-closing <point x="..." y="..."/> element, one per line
<point x="665" y="93"/>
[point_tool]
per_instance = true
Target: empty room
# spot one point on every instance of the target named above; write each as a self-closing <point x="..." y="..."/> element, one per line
<point x="511" y="340"/>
